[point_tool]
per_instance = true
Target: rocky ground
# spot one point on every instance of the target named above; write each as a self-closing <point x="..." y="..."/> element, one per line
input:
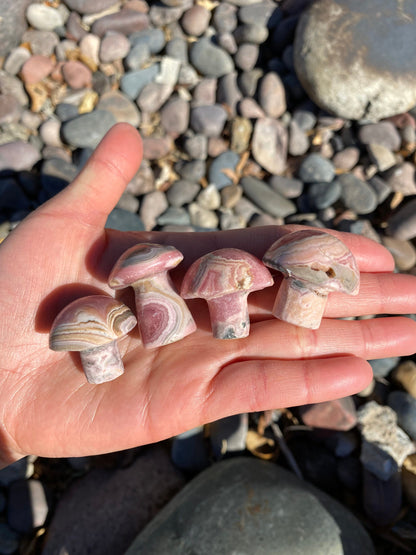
<point x="251" y="113"/>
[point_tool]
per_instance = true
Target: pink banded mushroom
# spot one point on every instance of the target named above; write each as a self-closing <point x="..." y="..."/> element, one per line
<point x="91" y="325"/>
<point x="314" y="264"/>
<point x="162" y="314"/>
<point x="224" y="278"/>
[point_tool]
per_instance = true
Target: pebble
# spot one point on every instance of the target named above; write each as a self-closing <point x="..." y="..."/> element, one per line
<point x="153" y="39"/>
<point x="177" y="48"/>
<point x="216" y="146"/>
<point x="402" y="224"/>
<point x="123" y="220"/>
<point x="298" y="140"/>
<point x="362" y="84"/>
<point x="56" y="174"/>
<point x="381" y="156"/>
<point x="90" y="48"/>
<point x="382" y="499"/>
<point x="76" y="74"/>
<point x="50" y="132"/>
<point x="87" y="130"/>
<point x="28" y="505"/>
<point x="174" y="216"/>
<point x="15" y="60"/>
<point x="346" y="159"/>
<point x="269" y="144"/>
<point x="137" y="57"/>
<point x="193" y="170"/>
<point x="209" y="59"/>
<point x="272" y="96"/>
<point x="339" y="414"/>
<point x="249" y="487"/>
<point x="208" y="120"/>
<point x="133" y="82"/>
<point x="248" y="81"/>
<point x="246" y="56"/>
<point x="122" y="108"/>
<point x="155" y="148"/>
<point x="323" y="195"/>
<point x="404" y="253"/>
<point x="202" y="217"/>
<point x="241" y="130"/>
<point x="209" y="198"/>
<point x="228" y="93"/>
<point x="125" y="22"/>
<point x="152" y="206"/>
<point x="385" y="446"/>
<point x="404" y="406"/>
<point x="18" y="156"/>
<point x="314" y="168"/>
<point x="249" y="109"/>
<point x="114" y="46"/>
<point x="89" y="6"/>
<point x="75" y="30"/>
<point x="42" y="43"/>
<point x="230" y="195"/>
<point x="169" y="71"/>
<point x="36" y="68"/>
<point x="266" y="198"/>
<point x="401" y="179"/>
<point x="10" y="109"/>
<point x="228" y="436"/>
<point x="357" y="195"/>
<point x="190" y="452"/>
<point x="129" y="202"/>
<point x="196" y="146"/>
<point x="405" y="375"/>
<point x="382" y="133"/>
<point x="44" y="17"/>
<point x="289" y="187"/>
<point x="383" y="366"/>
<point x="264" y="13"/>
<point x="228" y="160"/>
<point x="225" y="17"/>
<point x="195" y="21"/>
<point x="153" y="96"/>
<point x="205" y="92"/>
<point x="182" y="192"/>
<point x="174" y="116"/>
<point x="13" y="24"/>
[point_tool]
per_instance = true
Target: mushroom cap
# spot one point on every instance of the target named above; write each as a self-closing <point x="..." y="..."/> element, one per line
<point x="222" y="272"/>
<point x="142" y="261"/>
<point x="316" y="260"/>
<point x="90" y="322"/>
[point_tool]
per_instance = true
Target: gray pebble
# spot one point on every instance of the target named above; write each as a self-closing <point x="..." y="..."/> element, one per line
<point x="128" y="202"/>
<point x="195" y="21"/>
<point x="383" y="133"/>
<point x="10" y="109"/>
<point x="269" y="144"/>
<point x="381" y="188"/>
<point x="42" y="43"/>
<point x="289" y="187"/>
<point x="225" y="17"/>
<point x="153" y="38"/>
<point x="174" y="216"/>
<point x="208" y="120"/>
<point x="230" y="195"/>
<point x="315" y="168"/>
<point x="305" y="118"/>
<point x="191" y="171"/>
<point x="156" y="147"/>
<point x="89" y="6"/>
<point x="15" y="60"/>
<point x="202" y="217"/>
<point x="143" y="181"/>
<point x="228" y="92"/>
<point x="402" y="224"/>
<point x="227" y="42"/>
<point x="209" y="198"/>
<point x="114" y="46"/>
<point x="255" y="33"/>
<point x="188" y="77"/>
<point x="124" y="21"/>
<point x="66" y="111"/>
<point x="163" y="15"/>
<point x="205" y="92"/>
<point x="120" y="106"/>
<point x="347" y="158"/>
<point x="177" y="48"/>
<point x="182" y="192"/>
<point x="259" y="12"/>
<point x="246" y="56"/>
<point x="44" y="17"/>
<point x="226" y="160"/>
<point x="323" y="195"/>
<point x="133" y="82"/>
<point x="87" y="130"/>
<point x="209" y="59"/>
<point x="153" y="96"/>
<point x="137" y="57"/>
<point x="174" y="116"/>
<point x="298" y="140"/>
<point x="152" y="206"/>
<point x="13" y="24"/>
<point x="122" y="220"/>
<point x="10" y="84"/>
<point x="357" y="195"/>
<point x="228" y="220"/>
<point x="404" y="406"/>
<point x="382" y="157"/>
<point x="101" y="83"/>
<point x="74" y="27"/>
<point x="266" y="198"/>
<point x="196" y="146"/>
<point x="401" y="178"/>
<point x="248" y="81"/>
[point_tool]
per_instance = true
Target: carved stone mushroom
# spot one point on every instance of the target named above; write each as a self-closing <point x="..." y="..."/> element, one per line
<point x="162" y="314"/>
<point x="314" y="264"/>
<point x="91" y="325"/>
<point x="224" y="278"/>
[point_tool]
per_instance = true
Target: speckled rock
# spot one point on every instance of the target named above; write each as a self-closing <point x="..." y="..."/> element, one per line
<point x="362" y="84"/>
<point x="295" y="516"/>
<point x="12" y="23"/>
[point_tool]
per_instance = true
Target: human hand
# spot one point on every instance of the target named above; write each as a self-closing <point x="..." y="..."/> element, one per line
<point x="61" y="252"/>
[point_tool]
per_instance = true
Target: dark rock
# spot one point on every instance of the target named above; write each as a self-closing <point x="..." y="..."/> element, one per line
<point x="322" y="195"/>
<point x="190" y="451"/>
<point x="404" y="406"/>
<point x="122" y="220"/>
<point x="209" y="59"/>
<point x="228" y="160"/>
<point x="289" y="187"/>
<point x="9" y="540"/>
<point x="402" y="224"/>
<point x="228" y="435"/>
<point x="208" y="120"/>
<point x="357" y="195"/>
<point x="315" y="169"/>
<point x="28" y="505"/>
<point x="182" y="192"/>
<point x="382" y="499"/>
<point x="274" y="512"/>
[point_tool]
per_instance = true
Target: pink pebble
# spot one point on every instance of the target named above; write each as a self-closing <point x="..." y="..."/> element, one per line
<point x="36" y="68"/>
<point x="76" y="74"/>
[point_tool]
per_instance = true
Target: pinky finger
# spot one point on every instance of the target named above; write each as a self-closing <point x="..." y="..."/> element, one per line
<point x="256" y="385"/>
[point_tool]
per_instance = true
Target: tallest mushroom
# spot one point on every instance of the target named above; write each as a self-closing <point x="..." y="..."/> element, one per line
<point x="314" y="264"/>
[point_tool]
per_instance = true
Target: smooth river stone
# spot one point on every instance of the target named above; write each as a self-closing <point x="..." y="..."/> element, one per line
<point x="269" y="145"/>
<point x="224" y="278"/>
<point x="162" y="315"/>
<point x="314" y="264"/>
<point x="87" y="130"/>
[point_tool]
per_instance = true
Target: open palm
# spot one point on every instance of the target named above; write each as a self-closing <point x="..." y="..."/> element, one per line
<point x="61" y="252"/>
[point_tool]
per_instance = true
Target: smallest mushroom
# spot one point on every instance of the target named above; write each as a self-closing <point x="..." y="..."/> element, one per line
<point x="224" y="278"/>
<point x="314" y="264"/>
<point x="91" y="325"/>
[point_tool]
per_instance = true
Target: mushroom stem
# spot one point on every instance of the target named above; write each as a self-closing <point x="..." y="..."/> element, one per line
<point x="102" y="363"/>
<point x="163" y="316"/>
<point x="229" y="316"/>
<point x="298" y="305"/>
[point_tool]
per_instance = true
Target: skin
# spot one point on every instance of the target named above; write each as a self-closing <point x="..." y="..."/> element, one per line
<point x="44" y="396"/>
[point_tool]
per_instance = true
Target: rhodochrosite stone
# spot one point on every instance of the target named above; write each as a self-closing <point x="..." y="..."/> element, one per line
<point x="314" y="264"/>
<point x="162" y="314"/>
<point x="224" y="278"/>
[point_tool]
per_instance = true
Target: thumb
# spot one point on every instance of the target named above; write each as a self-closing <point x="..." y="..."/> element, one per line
<point x="100" y="184"/>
